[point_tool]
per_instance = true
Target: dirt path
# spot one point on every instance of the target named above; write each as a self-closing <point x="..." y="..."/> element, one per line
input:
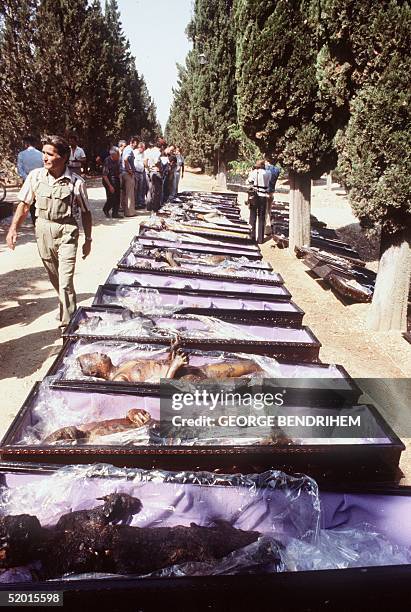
<point x="29" y="338"/>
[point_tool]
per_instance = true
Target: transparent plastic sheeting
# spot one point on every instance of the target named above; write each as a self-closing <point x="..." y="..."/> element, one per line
<point x="144" y="300"/>
<point x="189" y="282"/>
<point x="228" y="267"/>
<point x="122" y="352"/>
<point x="201" y="258"/>
<point x="284" y="510"/>
<point x="53" y="409"/>
<point x="207" y="219"/>
<point x="178" y="223"/>
<point x="195" y="327"/>
<point x="181" y="238"/>
<point x="151" y="301"/>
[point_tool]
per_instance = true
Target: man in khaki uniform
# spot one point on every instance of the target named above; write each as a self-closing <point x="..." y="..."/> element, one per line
<point x="60" y="195"/>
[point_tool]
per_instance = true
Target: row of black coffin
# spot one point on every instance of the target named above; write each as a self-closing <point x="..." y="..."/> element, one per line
<point x="260" y="305"/>
<point x="335" y="262"/>
<point x="377" y="587"/>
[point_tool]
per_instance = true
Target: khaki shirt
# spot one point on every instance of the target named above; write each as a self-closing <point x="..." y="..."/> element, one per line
<point x="75" y="183"/>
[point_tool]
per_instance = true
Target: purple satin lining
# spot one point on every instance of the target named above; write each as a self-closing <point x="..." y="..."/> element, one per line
<point x="203" y="248"/>
<point x="265" y="510"/>
<point x="203" y="301"/>
<point x="118" y="277"/>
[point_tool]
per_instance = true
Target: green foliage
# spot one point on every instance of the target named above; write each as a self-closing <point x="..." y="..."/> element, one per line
<point x="248" y="153"/>
<point x="66" y="66"/>
<point x="375" y="149"/>
<point x="204" y="105"/>
<point x="280" y="104"/>
<point x="179" y="129"/>
<point x="18" y="107"/>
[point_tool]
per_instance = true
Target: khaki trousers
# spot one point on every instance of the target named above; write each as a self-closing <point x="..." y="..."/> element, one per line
<point x="130" y="196"/>
<point x="57" y="246"/>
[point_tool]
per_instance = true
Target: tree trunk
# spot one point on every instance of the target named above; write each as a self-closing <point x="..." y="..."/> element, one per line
<point x="388" y="310"/>
<point x="222" y="176"/>
<point x="300" y="204"/>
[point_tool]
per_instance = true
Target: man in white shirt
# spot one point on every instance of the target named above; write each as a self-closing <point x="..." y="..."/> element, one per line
<point x="151" y="156"/>
<point x="121" y="146"/>
<point x="140" y="186"/>
<point x="77" y="156"/>
<point x="128" y="179"/>
<point x="259" y="178"/>
<point x="27" y="160"/>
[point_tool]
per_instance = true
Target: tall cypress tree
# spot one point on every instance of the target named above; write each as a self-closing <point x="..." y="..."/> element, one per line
<point x="19" y="108"/>
<point x="204" y="108"/>
<point x="135" y="111"/>
<point x="95" y="106"/>
<point x="213" y="104"/>
<point x="59" y="63"/>
<point x="179" y="128"/>
<point x="65" y="66"/>
<point x="150" y="128"/>
<point x="280" y="104"/>
<point x="368" y="43"/>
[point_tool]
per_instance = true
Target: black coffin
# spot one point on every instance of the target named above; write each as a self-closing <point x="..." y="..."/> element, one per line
<point x="373" y="459"/>
<point x="138" y="255"/>
<point x="204" y="246"/>
<point x="372" y="588"/>
<point x="211" y="285"/>
<point x="146" y="264"/>
<point x="224" y="233"/>
<point x="65" y="368"/>
<point x="228" y="307"/>
<point x="193" y="331"/>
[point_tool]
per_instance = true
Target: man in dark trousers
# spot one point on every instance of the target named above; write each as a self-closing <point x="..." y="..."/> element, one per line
<point x="111" y="181"/>
<point x="259" y="179"/>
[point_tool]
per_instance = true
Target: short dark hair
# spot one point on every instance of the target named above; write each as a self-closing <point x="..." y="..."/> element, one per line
<point x="58" y="143"/>
<point x="30" y="140"/>
<point x="134" y="139"/>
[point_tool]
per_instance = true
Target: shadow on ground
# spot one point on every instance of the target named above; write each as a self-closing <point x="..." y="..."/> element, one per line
<point x="17" y="363"/>
<point x="17" y="283"/>
<point x="29" y="309"/>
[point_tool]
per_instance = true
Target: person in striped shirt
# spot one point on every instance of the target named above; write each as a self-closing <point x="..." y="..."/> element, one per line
<point x="60" y="197"/>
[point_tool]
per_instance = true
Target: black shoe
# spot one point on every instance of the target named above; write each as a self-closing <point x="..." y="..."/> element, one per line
<point x="106" y="213"/>
<point x="117" y="216"/>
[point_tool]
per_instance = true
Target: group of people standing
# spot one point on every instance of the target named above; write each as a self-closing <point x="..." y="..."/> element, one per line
<point x="262" y="180"/>
<point x="139" y="176"/>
